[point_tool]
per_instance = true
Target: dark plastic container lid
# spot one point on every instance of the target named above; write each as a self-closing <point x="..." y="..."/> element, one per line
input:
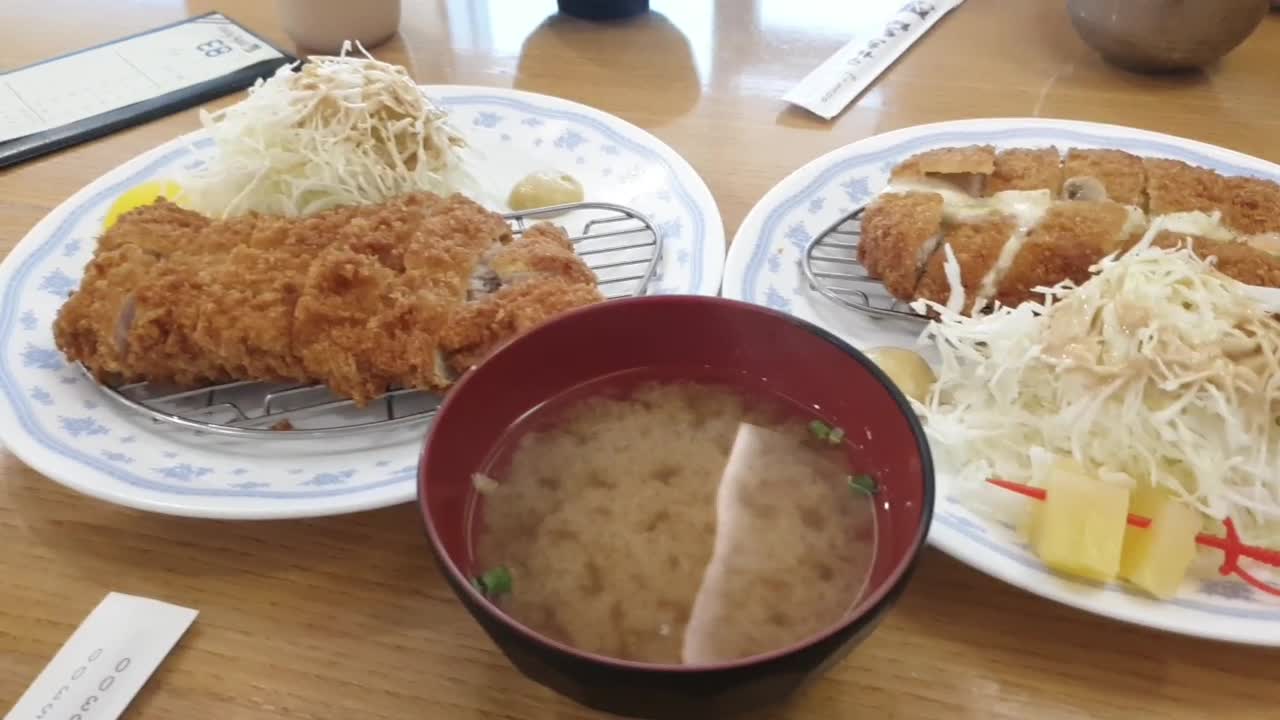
<point x="603" y="9"/>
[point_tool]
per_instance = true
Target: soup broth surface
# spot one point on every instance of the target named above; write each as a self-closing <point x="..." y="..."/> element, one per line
<point x="670" y="521"/>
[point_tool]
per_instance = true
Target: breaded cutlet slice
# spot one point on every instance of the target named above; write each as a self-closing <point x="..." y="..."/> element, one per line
<point x="977" y="247"/>
<point x="1174" y="186"/>
<point x="163" y="318"/>
<point x="370" y="315"/>
<point x="159" y="229"/>
<point x="966" y="160"/>
<point x="247" y="304"/>
<point x="967" y="168"/>
<point x="221" y="305"/>
<point x="1026" y="169"/>
<point x="91" y="326"/>
<point x="451" y="240"/>
<point x="351" y="319"/>
<point x="388" y="230"/>
<point x="481" y="327"/>
<point x="1120" y="173"/>
<point x="1236" y="260"/>
<point x="245" y="317"/>
<point x="439" y="273"/>
<point x="899" y="233"/>
<point x="539" y="275"/>
<point x="1254" y="206"/>
<point x="1071" y="238"/>
<point x="542" y="249"/>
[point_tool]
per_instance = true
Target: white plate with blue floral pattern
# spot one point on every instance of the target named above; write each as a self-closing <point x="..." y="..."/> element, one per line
<point x="60" y="423"/>
<point x="763" y="267"/>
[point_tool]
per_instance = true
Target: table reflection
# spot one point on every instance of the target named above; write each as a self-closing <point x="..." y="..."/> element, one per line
<point x="649" y="51"/>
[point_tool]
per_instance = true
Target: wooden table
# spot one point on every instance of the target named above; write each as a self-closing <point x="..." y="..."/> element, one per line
<point x="347" y="617"/>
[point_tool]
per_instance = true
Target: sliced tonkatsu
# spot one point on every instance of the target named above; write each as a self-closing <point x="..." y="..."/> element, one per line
<point x="1019" y="219"/>
<point x="898" y="238"/>
<point x="1026" y="169"/>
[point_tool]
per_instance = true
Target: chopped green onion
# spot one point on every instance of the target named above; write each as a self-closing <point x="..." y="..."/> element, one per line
<point x="864" y="484"/>
<point x="836" y="436"/>
<point x="493" y="583"/>
<point x="819" y="429"/>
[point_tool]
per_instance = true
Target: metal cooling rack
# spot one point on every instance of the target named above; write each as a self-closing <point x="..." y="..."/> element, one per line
<point x="830" y="264"/>
<point x="621" y="245"/>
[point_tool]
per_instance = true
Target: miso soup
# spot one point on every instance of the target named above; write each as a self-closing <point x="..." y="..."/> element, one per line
<point x="674" y="521"/>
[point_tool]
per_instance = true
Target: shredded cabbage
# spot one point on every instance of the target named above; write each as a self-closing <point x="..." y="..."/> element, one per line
<point x="336" y="131"/>
<point x="1157" y="370"/>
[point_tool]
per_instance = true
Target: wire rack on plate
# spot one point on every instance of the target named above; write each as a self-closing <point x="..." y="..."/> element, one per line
<point x="621" y="245"/>
<point x="830" y="264"/>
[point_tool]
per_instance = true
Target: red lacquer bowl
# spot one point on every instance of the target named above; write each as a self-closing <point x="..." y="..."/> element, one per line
<point x="799" y="360"/>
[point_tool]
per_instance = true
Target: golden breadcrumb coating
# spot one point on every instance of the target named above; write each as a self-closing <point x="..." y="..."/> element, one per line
<point x="93" y="324"/>
<point x="1119" y="172"/>
<point x="968" y="160"/>
<point x="899" y="233"/>
<point x="1070" y="239"/>
<point x="157" y="229"/>
<point x="482" y="327"/>
<point x="976" y="247"/>
<point x="356" y="297"/>
<point x="1026" y="169"/>
<point x="901" y="230"/>
<point x="540" y="249"/>
<point x="1174" y="186"/>
<point x="359" y="328"/>
<point x="1253" y="205"/>
<point x="370" y="316"/>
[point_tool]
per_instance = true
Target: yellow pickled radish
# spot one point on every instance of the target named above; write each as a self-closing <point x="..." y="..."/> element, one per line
<point x="1156" y="558"/>
<point x="1080" y="527"/>
<point x="140" y="195"/>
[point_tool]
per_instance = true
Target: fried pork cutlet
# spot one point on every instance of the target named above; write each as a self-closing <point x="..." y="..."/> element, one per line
<point x="977" y="247"/>
<point x="220" y="307"/>
<point x="968" y="160"/>
<point x="540" y="250"/>
<point x="540" y="277"/>
<point x="1102" y="203"/>
<point x="967" y="168"/>
<point x="161" y="229"/>
<point x="359" y="298"/>
<point x="1236" y="260"/>
<point x="900" y="231"/>
<point x="97" y="321"/>
<point x="1253" y="206"/>
<point x="482" y="327"/>
<point x="1070" y="239"/>
<point x="370" y="317"/>
<point x="160" y="333"/>
<point x="93" y="324"/>
<point x="1026" y="169"/>
<point x="1121" y="174"/>
<point x="1174" y="186"/>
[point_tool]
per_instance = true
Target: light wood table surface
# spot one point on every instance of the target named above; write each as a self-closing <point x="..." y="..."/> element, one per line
<point x="347" y="617"/>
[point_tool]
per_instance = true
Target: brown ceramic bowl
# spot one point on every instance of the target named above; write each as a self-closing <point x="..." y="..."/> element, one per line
<point x="1165" y="35"/>
<point x="799" y="360"/>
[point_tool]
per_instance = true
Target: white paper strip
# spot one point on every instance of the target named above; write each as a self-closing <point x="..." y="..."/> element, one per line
<point x="835" y="83"/>
<point x="106" y="661"/>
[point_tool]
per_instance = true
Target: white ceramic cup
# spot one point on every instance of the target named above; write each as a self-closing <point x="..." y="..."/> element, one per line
<point x="320" y="26"/>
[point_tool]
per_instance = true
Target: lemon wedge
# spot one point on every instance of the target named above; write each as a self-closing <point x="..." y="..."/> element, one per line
<point x="144" y="194"/>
